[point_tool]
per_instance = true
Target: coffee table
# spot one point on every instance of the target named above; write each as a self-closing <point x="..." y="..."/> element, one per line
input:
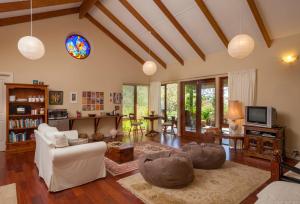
<point x="120" y="153"/>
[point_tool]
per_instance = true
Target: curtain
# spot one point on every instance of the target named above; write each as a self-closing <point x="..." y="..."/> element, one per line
<point x="242" y="87"/>
<point x="154" y="101"/>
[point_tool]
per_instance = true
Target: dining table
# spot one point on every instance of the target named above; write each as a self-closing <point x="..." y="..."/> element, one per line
<point x="151" y="119"/>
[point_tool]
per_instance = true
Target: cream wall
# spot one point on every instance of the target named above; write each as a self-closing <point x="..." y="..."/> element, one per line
<point x="106" y="69"/>
<point x="278" y="84"/>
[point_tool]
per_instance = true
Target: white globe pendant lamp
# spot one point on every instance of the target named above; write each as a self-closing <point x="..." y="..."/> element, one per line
<point x="29" y="46"/>
<point x="241" y="46"/>
<point x="149" y="68"/>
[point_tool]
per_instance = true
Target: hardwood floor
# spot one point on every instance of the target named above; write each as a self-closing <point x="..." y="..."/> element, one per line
<point x="20" y="169"/>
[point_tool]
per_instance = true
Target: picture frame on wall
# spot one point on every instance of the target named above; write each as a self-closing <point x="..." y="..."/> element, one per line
<point x="73" y="97"/>
<point x="56" y="97"/>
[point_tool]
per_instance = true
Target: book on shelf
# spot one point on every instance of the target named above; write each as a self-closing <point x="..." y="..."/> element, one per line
<point x="25" y="123"/>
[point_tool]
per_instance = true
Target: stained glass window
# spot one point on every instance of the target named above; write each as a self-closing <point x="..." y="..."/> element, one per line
<point x="77" y="46"/>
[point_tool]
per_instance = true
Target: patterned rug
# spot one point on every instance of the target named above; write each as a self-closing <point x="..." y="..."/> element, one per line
<point x="139" y="149"/>
<point x="228" y="185"/>
<point x="8" y="194"/>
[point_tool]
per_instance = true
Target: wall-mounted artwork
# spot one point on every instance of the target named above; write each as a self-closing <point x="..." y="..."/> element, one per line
<point x="77" y="46"/>
<point x="92" y="101"/>
<point x="73" y="97"/>
<point x="56" y="97"/>
<point x="116" y="98"/>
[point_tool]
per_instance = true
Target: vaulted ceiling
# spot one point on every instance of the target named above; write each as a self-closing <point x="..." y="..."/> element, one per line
<point x="170" y="31"/>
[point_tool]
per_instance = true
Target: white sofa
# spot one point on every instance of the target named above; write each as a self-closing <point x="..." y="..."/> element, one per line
<point x="281" y="192"/>
<point x="67" y="167"/>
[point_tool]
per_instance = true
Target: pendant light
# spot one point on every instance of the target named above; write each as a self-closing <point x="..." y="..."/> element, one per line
<point x="149" y="67"/>
<point x="241" y="45"/>
<point x="29" y="46"/>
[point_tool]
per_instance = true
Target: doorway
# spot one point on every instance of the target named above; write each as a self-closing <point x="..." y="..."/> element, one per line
<point x="136" y="101"/>
<point x="4" y="78"/>
<point x="198" y="106"/>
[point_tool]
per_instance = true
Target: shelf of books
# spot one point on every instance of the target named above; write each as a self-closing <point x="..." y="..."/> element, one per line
<point x="27" y="106"/>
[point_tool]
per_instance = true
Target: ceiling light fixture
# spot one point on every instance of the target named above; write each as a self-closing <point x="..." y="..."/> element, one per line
<point x="149" y="67"/>
<point x="29" y="46"/>
<point x="241" y="45"/>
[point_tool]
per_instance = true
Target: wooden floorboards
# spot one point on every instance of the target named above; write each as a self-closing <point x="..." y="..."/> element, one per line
<point x="20" y="169"/>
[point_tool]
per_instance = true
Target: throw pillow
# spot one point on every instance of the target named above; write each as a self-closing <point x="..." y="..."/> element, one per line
<point x="60" y="140"/>
<point x="79" y="141"/>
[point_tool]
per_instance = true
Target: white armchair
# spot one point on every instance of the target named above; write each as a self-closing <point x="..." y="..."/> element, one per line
<point x="67" y="167"/>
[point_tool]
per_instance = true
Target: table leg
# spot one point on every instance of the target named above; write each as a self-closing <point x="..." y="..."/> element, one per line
<point x="96" y="124"/>
<point x="71" y="123"/>
<point x="234" y="141"/>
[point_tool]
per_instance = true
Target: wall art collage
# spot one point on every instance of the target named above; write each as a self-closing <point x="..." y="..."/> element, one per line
<point x="92" y="101"/>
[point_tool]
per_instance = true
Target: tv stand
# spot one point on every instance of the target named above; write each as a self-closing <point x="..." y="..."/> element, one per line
<point x="261" y="142"/>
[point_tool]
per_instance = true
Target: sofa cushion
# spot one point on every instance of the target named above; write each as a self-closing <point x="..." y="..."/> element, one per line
<point x="71" y="134"/>
<point x="43" y="128"/>
<point x="58" y="139"/>
<point x="79" y="141"/>
<point x="280" y="192"/>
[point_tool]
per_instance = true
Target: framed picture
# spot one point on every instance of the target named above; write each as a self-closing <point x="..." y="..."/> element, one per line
<point x="73" y="97"/>
<point x="56" y="97"/>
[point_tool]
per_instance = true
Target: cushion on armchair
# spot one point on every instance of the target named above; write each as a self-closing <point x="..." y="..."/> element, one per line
<point x="58" y="139"/>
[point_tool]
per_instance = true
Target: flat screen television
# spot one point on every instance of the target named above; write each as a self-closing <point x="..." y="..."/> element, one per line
<point x="262" y="116"/>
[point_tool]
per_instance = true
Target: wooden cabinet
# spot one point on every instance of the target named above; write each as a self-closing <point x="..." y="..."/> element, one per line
<point x="261" y="142"/>
<point x="26" y="108"/>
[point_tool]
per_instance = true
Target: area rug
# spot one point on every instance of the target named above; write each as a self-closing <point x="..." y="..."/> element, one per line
<point x="140" y="149"/>
<point x="8" y="194"/>
<point x="228" y="185"/>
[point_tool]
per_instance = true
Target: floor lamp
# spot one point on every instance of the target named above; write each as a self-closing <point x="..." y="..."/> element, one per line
<point x="235" y="113"/>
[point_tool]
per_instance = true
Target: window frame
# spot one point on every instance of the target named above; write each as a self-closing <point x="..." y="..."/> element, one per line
<point x="221" y="102"/>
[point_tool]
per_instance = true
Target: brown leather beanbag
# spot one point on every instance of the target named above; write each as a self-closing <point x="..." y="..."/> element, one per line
<point x="167" y="169"/>
<point x="205" y="155"/>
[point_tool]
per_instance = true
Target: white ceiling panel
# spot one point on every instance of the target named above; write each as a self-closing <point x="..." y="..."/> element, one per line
<point x="282" y="17"/>
<point x="38" y="10"/>
<point x="163" y="26"/>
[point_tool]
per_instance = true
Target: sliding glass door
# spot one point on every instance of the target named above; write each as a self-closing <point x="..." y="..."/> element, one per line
<point x="169" y="101"/>
<point x="198" y="106"/>
<point x="189" y="108"/>
<point x="135" y="100"/>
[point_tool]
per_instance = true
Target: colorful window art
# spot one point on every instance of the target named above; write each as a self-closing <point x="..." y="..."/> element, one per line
<point x="77" y="46"/>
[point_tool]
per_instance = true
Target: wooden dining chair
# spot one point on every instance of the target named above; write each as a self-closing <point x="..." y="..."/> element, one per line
<point x="169" y="123"/>
<point x="135" y="125"/>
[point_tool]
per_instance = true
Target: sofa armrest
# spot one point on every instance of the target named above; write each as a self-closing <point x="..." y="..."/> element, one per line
<point x="78" y="152"/>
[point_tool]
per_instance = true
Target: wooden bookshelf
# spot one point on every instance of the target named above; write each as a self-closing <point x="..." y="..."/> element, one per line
<point x="20" y="126"/>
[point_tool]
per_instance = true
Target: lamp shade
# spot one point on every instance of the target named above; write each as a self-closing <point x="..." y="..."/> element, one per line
<point x="235" y="111"/>
<point x="240" y="46"/>
<point x="149" y="68"/>
<point x="31" y="47"/>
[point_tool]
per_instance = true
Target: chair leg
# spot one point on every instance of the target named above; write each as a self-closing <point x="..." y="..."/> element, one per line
<point x="129" y="131"/>
<point x="141" y="130"/>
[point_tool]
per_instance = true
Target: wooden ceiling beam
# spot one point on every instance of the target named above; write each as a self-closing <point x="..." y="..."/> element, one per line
<point x="129" y="33"/>
<point x="176" y="24"/>
<point x="37" y="16"/>
<point x="260" y="22"/>
<point x="21" y="5"/>
<point x="140" y="18"/>
<point x="85" y="7"/>
<point x="212" y="21"/>
<point x="114" y="38"/>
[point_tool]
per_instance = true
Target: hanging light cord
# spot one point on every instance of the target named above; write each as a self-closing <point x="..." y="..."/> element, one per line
<point x="31" y="17"/>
